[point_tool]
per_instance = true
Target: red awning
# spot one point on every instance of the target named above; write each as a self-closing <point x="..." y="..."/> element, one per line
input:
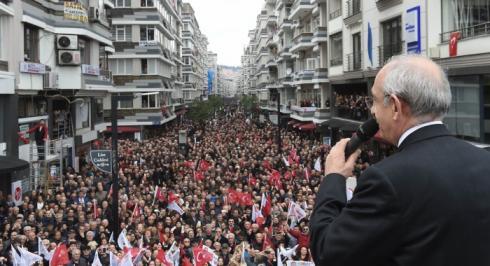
<point x="124" y="129"/>
<point x="307" y="127"/>
<point x="292" y="122"/>
<point x="297" y="124"/>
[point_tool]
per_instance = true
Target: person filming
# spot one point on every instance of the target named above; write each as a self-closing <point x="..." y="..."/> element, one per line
<point x="427" y="204"/>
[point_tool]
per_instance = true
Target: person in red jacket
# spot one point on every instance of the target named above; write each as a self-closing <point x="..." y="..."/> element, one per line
<point x="41" y="136"/>
<point x="302" y="235"/>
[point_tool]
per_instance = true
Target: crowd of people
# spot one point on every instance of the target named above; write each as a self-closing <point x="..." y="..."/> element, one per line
<point x="229" y="194"/>
<point x="352" y="106"/>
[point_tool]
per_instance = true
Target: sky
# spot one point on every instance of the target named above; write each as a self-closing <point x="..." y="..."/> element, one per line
<point x="226" y="24"/>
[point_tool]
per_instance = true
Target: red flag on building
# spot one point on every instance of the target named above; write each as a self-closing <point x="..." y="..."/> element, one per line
<point x="453" y="43"/>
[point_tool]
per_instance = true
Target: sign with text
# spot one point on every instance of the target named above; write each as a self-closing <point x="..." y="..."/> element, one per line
<point x="33" y="68"/>
<point x="412" y="30"/>
<point x="75" y="11"/>
<point x="90" y="70"/>
<point x="17" y="192"/>
<point x="102" y="159"/>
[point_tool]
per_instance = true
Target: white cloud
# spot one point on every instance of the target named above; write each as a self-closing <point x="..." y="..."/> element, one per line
<point x="226" y="24"/>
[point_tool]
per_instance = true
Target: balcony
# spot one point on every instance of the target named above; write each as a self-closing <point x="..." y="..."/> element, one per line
<point x="186" y="34"/>
<point x="354" y="13"/>
<point x="272" y="20"/>
<point x="469" y="32"/>
<point x="353" y="62"/>
<point x="335" y="14"/>
<point x="385" y="52"/>
<point x="320" y="34"/>
<point x="385" y="4"/>
<point x="286" y="24"/>
<point x="303" y="41"/>
<point x="271" y="63"/>
<point x="301" y="8"/>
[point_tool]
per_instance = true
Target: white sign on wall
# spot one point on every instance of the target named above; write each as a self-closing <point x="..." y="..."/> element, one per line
<point x="17" y="192"/>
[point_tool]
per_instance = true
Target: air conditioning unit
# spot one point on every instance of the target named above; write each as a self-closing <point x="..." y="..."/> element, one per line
<point x="67" y="42"/>
<point x="69" y="58"/>
<point x="94" y="14"/>
<point x="50" y="80"/>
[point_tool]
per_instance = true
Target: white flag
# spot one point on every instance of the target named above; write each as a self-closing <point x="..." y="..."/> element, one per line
<point x="111" y="238"/>
<point x="113" y="260"/>
<point x="43" y="250"/>
<point x="96" y="261"/>
<point x="127" y="260"/>
<point x="122" y="241"/>
<point x="173" y="255"/>
<point x="15" y="257"/>
<point x="174" y="206"/>
<point x="318" y="164"/>
<point x="296" y="211"/>
<point x="289" y="253"/>
<point x="138" y="258"/>
<point x="285" y="161"/>
<point x="279" y="260"/>
<point x="28" y="258"/>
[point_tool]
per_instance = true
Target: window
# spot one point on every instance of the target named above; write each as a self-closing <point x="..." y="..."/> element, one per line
<point x="84" y="46"/>
<point x="336" y="49"/>
<point x="470" y="17"/>
<point x="31" y="43"/>
<point x="392" y="39"/>
<point x="147" y="33"/>
<point x="122" y="33"/>
<point x="121" y="66"/>
<point x="144" y="66"/>
<point x="149" y="101"/>
<point x="152" y="66"/>
<point x="147" y="3"/>
<point x="125" y="103"/>
<point x="123" y="3"/>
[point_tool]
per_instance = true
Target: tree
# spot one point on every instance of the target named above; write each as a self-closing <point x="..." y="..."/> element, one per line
<point x="249" y="102"/>
<point x="200" y="111"/>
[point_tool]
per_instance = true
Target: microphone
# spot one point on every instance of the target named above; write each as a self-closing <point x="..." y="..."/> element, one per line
<point x="365" y="132"/>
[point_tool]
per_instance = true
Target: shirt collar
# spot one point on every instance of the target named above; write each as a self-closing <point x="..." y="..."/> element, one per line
<point x="415" y="128"/>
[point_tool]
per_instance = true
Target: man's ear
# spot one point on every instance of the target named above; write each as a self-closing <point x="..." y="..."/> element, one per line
<point x="396" y="106"/>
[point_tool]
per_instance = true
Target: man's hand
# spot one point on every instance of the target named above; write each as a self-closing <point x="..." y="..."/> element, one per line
<point x="335" y="162"/>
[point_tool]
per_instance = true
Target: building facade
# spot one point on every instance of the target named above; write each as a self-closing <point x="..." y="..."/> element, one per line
<point x="327" y="54"/>
<point x="147" y="61"/>
<point x="194" y="56"/>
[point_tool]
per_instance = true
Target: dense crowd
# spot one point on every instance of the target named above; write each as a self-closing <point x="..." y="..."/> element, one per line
<point x="230" y="192"/>
<point x="352" y="106"/>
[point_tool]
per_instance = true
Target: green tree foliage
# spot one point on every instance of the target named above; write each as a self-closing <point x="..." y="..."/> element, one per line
<point x="249" y="102"/>
<point x="200" y="111"/>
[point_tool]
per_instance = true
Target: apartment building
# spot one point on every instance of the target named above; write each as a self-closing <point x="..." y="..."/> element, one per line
<point x="248" y="65"/>
<point x="194" y="56"/>
<point x="147" y="62"/>
<point x="60" y="61"/>
<point x="329" y="52"/>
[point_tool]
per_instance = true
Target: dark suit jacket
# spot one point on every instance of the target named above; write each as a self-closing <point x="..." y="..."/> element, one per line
<point x="428" y="204"/>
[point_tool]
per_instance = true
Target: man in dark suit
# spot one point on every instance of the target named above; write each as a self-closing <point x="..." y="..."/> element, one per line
<point x="40" y="135"/>
<point x="428" y="204"/>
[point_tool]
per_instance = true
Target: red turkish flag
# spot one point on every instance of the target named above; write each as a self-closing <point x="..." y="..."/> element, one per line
<point x="204" y="165"/>
<point x="136" y="211"/>
<point x="246" y="199"/>
<point x="453" y="43"/>
<point x="198" y="176"/>
<point x="172" y="197"/>
<point x="60" y="256"/>
<point x="201" y="256"/>
<point x="267" y="165"/>
<point x="233" y="196"/>
<point x="189" y="164"/>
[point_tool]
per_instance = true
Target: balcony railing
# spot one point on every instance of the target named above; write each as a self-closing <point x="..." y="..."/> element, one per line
<point x="353" y="7"/>
<point x="385" y="52"/>
<point x="335" y="14"/>
<point x="106" y="75"/>
<point x="353" y="62"/>
<point x="336" y="61"/>
<point x="469" y="32"/>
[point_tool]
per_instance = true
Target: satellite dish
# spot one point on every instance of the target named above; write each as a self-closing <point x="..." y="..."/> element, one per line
<point x="289" y="71"/>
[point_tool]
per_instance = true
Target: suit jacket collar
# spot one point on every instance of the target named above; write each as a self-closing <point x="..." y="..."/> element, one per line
<point x="424" y="133"/>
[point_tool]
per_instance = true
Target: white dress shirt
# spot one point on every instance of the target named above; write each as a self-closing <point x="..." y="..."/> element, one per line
<point x="415" y="128"/>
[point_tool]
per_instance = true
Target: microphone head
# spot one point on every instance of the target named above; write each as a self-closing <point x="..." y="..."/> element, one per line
<point x="367" y="130"/>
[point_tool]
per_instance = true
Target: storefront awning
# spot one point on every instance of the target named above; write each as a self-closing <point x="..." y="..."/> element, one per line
<point x="10" y="164"/>
<point x="307" y="127"/>
<point x="124" y="129"/>
<point x="180" y="112"/>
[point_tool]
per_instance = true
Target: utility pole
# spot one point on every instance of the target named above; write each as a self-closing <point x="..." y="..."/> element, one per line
<point x="115" y="168"/>
<point x="279" y="141"/>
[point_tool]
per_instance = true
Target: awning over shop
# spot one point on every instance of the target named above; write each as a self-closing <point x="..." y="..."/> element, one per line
<point x="297" y="124"/>
<point x="9" y="164"/>
<point x="307" y="127"/>
<point x="124" y="129"/>
<point x="291" y="122"/>
<point x="344" y="124"/>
